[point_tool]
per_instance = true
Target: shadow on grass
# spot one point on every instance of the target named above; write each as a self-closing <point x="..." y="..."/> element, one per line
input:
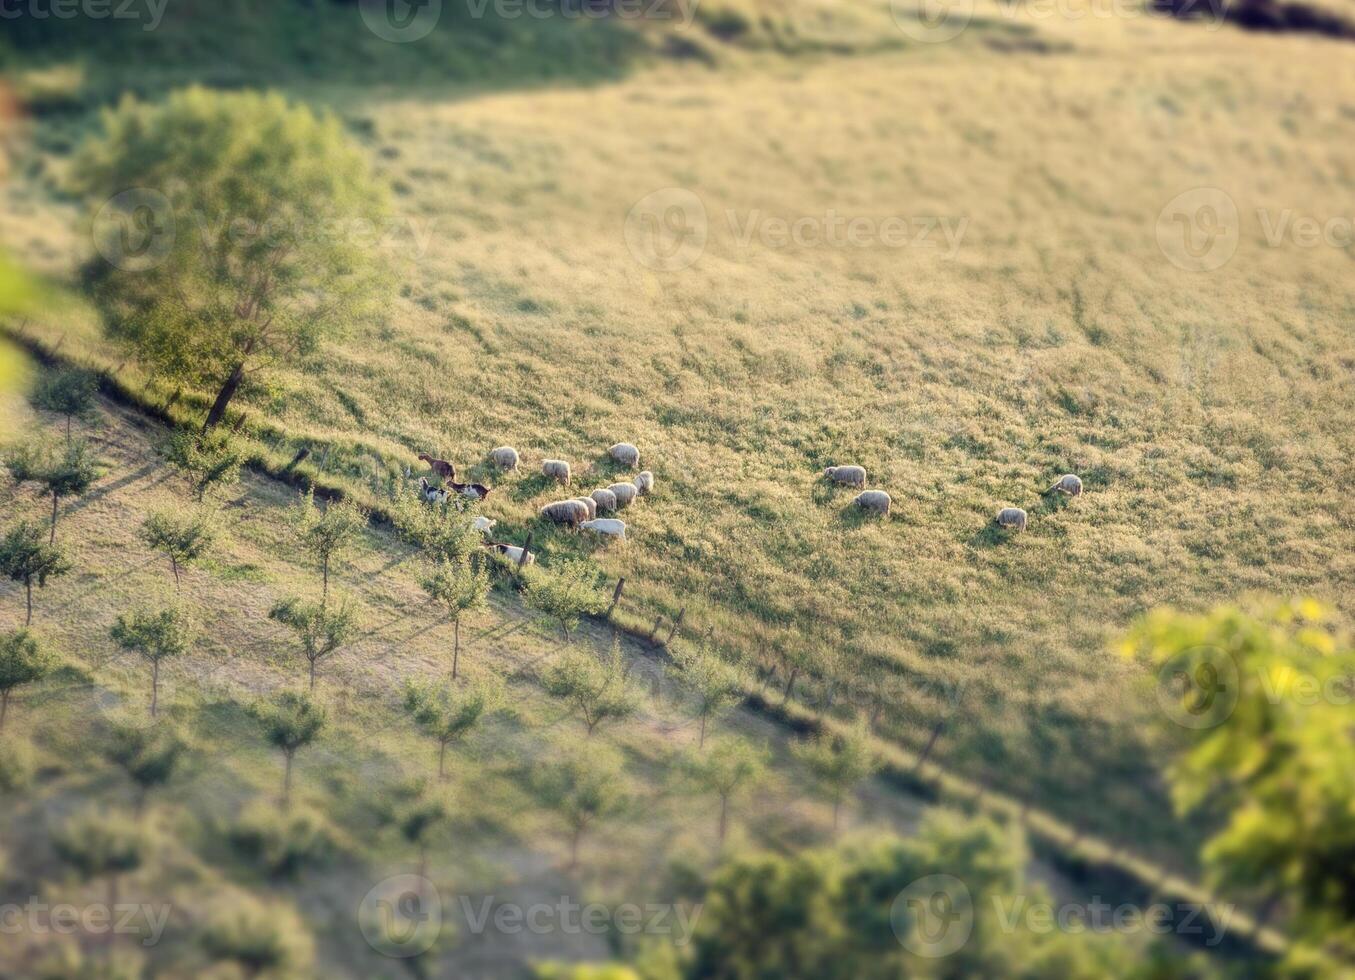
<point x="992" y="536"/>
<point x="535" y="485"/>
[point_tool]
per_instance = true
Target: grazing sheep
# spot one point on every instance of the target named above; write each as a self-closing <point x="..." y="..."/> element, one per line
<point x="512" y="552"/>
<point x="625" y="454"/>
<point x="605" y="499"/>
<point x="644" y="482"/>
<point x="432" y="494"/>
<point x="876" y="500"/>
<point x="505" y="457"/>
<point x="591" y="504"/>
<point x="625" y="493"/>
<point x="483" y="524"/>
<point x="1069" y="484"/>
<point x="475" y="491"/>
<point x="557" y="470"/>
<point x="441" y="467"/>
<point x="571" y="512"/>
<point x="1013" y="517"/>
<point x="852" y="476"/>
<point x="609" y="526"/>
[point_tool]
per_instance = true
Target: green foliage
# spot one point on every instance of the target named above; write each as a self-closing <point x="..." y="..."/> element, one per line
<point x="29" y="560"/>
<point x="16" y="769"/>
<point x="566" y="592"/>
<point x="598" y="689"/>
<point x="98" y="844"/>
<point x="837" y="763"/>
<point x="67" y="391"/>
<point x="286" y="265"/>
<point x="209" y="461"/>
<point x="267" y="939"/>
<point x="326" y="532"/>
<point x="583" y="788"/>
<point x="459" y="588"/>
<point x="448" y="712"/>
<point x="22" y="661"/>
<point x="67" y="961"/>
<point x="1267" y="701"/>
<point x="183" y="534"/>
<point x="320" y="629"/>
<point x="149" y="754"/>
<point x="65" y="472"/>
<point x="155" y="635"/>
<point x="560" y="971"/>
<point x="442" y="532"/>
<point x="290" y="722"/>
<point x="283" y="845"/>
<point x="715" y="686"/>
<point x="730" y="765"/>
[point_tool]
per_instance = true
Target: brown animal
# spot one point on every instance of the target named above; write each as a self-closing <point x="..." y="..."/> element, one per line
<point x="441" y="467"/>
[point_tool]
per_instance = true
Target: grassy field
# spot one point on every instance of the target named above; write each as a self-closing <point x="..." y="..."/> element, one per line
<point x="1051" y="332"/>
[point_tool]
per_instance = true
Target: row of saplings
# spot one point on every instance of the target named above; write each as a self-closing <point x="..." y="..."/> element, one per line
<point x="582" y="788"/>
<point x="879" y="502"/>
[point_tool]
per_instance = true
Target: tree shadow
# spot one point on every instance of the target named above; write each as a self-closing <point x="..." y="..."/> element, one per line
<point x="992" y="536"/>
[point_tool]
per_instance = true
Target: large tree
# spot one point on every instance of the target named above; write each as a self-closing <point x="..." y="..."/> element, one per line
<point x="244" y="240"/>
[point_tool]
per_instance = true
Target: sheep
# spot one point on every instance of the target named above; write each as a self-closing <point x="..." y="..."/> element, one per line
<point x="625" y="493"/>
<point x="432" y="494"/>
<point x="557" y="470"/>
<point x="571" y="512"/>
<point x="441" y="467"/>
<point x="591" y="504"/>
<point x="605" y="499"/>
<point x="1069" y="484"/>
<point x="644" y="482"/>
<point x="876" y="500"/>
<point x="1012" y="517"/>
<point x="852" y="476"/>
<point x="608" y="526"/>
<point x="505" y="457"/>
<point x="511" y="552"/>
<point x="483" y="524"/>
<point x="475" y="491"/>
<point x="625" y="454"/>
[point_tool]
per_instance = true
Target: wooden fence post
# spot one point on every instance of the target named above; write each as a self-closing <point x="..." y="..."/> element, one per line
<point x="526" y="548"/>
<point x="616" y="596"/>
<point x="676" y="623"/>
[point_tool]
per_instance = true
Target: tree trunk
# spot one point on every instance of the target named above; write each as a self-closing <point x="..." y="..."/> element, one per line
<point x="224" y="396"/>
<point x="324" y="588"/>
<point x="702" y="744"/>
<point x="174" y="565"/>
<point x="4" y="708"/>
<point x="724" y="818"/>
<point x="155" y="686"/>
<point x="312" y="663"/>
<point x="442" y="760"/>
<point x="28" y="586"/>
<point x="68" y="430"/>
<point x="931" y="742"/>
<point x="790" y="686"/>
<point x="456" y="645"/>
<point x="51" y="538"/>
<point x="287" y="782"/>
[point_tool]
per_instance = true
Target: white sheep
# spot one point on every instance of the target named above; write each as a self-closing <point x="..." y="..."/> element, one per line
<point x="609" y="526"/>
<point x="1069" y="484"/>
<point x="876" y="500"/>
<point x="625" y="493"/>
<point x="1012" y="517"/>
<point x="605" y="499"/>
<point x="852" y="476"/>
<point x="644" y="482"/>
<point x="505" y="457"/>
<point x="591" y="504"/>
<point x="483" y="524"/>
<point x="625" y="454"/>
<point x="571" y="512"/>
<point x="557" y="470"/>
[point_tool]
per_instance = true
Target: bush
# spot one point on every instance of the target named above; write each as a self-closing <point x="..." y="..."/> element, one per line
<point x="283" y="845"/>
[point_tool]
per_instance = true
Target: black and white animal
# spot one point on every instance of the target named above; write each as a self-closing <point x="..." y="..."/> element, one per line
<point x="512" y="552"/>
<point x="432" y="494"/>
<point x="475" y="491"/>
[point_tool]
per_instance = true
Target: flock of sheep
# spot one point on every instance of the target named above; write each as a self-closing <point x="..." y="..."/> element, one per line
<point x="576" y="512"/>
<point x="878" y="501"/>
